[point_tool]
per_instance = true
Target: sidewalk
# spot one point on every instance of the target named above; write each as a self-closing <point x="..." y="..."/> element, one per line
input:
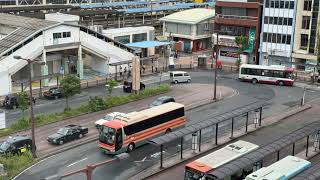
<point x="183" y="93"/>
<point x="188" y="154"/>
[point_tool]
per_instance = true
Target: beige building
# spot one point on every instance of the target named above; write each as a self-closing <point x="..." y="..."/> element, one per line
<point x="306" y="32"/>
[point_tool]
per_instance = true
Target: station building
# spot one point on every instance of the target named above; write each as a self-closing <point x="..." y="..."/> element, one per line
<point x="60" y="44"/>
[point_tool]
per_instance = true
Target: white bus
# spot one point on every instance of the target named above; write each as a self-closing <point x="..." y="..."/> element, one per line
<point x="198" y="169"/>
<point x="274" y="74"/>
<point x="284" y="169"/>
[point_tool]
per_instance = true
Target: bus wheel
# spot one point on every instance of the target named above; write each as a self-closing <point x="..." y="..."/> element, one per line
<point x="254" y="81"/>
<point x="130" y="147"/>
<point x="281" y="83"/>
<point x="168" y="131"/>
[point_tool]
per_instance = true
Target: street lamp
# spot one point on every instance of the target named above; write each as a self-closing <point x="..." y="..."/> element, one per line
<point x="33" y="149"/>
<point x="216" y="50"/>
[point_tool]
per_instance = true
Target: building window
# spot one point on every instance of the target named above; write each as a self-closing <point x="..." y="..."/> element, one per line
<point x="266" y="20"/>
<point x="139" y="37"/>
<point x="306" y="22"/>
<point x="278" y="21"/>
<point x="66" y="34"/>
<point x="288" y="39"/>
<point x="57" y="35"/>
<point x="291" y="5"/>
<point x="280" y="4"/>
<point x="277" y="38"/>
<point x="123" y="39"/>
<point x="61" y="35"/>
<point x="304" y="41"/>
<point x="307" y="5"/>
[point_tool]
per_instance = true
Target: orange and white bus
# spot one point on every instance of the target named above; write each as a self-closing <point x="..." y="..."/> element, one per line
<point x="127" y="133"/>
<point x="198" y="169"/>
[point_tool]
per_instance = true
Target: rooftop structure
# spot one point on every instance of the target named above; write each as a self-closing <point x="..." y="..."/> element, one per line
<point x="191" y="16"/>
<point x="22" y="27"/>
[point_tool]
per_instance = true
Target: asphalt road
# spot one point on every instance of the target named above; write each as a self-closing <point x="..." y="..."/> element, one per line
<point x="51" y="106"/>
<point x="143" y="157"/>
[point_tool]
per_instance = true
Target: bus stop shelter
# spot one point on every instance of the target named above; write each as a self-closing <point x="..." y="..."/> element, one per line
<point x="274" y="147"/>
<point x="214" y="122"/>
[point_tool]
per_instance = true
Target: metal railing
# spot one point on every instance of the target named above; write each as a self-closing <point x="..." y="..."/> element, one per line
<point x="236" y="17"/>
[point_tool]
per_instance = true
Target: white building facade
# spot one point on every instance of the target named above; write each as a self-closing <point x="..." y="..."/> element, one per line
<point x="277" y="34"/>
<point x="63" y="48"/>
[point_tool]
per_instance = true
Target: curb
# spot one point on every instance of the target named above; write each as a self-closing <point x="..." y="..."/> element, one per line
<point x="151" y="172"/>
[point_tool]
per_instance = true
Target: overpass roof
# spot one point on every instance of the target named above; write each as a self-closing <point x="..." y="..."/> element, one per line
<point x="24" y="27"/>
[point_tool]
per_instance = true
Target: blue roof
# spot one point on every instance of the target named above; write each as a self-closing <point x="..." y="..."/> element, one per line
<point x="147" y="44"/>
<point x="114" y="4"/>
<point x="163" y="8"/>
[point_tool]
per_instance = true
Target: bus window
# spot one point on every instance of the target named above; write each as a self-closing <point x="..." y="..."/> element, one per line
<point x="107" y="135"/>
<point x="193" y="175"/>
<point x="244" y="70"/>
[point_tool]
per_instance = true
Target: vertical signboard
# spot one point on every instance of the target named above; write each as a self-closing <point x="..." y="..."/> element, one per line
<point x="135" y="74"/>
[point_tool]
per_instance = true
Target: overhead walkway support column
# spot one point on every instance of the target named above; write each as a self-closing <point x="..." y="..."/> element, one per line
<point x="44" y="68"/>
<point x="80" y="63"/>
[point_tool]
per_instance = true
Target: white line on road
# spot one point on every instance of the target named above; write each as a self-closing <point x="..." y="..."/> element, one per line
<point x="32" y="166"/>
<point x="77" y="162"/>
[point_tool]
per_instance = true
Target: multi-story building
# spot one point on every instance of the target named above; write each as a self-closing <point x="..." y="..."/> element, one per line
<point x="238" y="18"/>
<point x="278" y="30"/>
<point x="306" y="33"/>
<point x="193" y="28"/>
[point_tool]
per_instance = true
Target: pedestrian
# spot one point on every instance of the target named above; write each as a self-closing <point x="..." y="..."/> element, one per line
<point x="125" y="70"/>
<point x="120" y="71"/>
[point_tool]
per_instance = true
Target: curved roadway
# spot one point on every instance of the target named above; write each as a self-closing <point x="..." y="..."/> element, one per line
<point x="143" y="157"/>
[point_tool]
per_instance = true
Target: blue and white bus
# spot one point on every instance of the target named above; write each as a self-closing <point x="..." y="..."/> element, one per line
<point x="284" y="169"/>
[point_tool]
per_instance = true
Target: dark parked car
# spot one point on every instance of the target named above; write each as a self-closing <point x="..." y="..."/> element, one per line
<point x="127" y="86"/>
<point x="16" y="145"/>
<point x="67" y="133"/>
<point x="53" y="93"/>
<point x="162" y="100"/>
<point x="11" y="102"/>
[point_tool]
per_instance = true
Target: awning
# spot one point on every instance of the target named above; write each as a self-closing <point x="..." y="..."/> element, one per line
<point x="147" y="44"/>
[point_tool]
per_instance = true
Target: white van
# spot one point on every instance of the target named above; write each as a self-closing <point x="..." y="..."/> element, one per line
<point x="108" y="117"/>
<point x="179" y="76"/>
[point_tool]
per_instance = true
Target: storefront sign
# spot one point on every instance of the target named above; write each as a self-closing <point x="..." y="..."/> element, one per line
<point x="252" y="35"/>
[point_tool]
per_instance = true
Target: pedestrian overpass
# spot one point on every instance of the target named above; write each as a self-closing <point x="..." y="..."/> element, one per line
<point x="64" y="47"/>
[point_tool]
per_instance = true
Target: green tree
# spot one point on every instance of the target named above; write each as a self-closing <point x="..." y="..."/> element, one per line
<point x="242" y="42"/>
<point x="70" y="86"/>
<point x="111" y="84"/>
<point x="22" y="99"/>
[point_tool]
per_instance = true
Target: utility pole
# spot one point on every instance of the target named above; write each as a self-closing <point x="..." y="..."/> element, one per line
<point x="33" y="148"/>
<point x="216" y="47"/>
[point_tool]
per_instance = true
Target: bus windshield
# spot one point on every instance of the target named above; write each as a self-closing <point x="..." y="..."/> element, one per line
<point x="107" y="135"/>
<point x="193" y="175"/>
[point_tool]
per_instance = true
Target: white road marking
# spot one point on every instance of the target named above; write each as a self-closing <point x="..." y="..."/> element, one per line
<point x="77" y="162"/>
<point x="32" y="167"/>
